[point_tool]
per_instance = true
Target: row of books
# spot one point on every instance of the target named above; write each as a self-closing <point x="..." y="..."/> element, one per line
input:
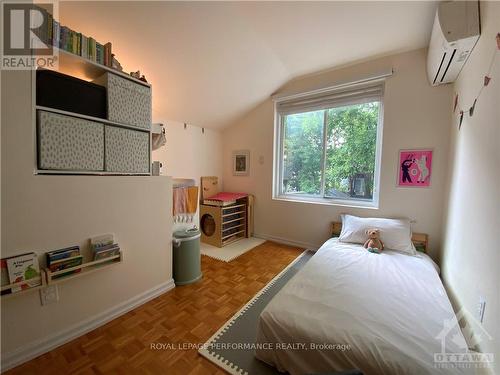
<point x="69" y="40"/>
<point x="104" y="247"/>
<point x="20" y="268"/>
<point x="59" y="260"/>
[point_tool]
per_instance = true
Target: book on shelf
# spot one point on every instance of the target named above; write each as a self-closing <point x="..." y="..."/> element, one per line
<point x="53" y="33"/>
<point x="107" y="251"/>
<point x="62" y="253"/>
<point x="4" y="276"/>
<point x="101" y="241"/>
<point x="108" y="54"/>
<point x="23" y="268"/>
<point x="85" y="47"/>
<point x="63" y="37"/>
<point x="50" y="28"/>
<point x="98" y="52"/>
<point x="61" y="259"/>
<point x="65" y="263"/>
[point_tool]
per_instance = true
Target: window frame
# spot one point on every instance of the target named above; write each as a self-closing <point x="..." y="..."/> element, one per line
<point x="278" y="161"/>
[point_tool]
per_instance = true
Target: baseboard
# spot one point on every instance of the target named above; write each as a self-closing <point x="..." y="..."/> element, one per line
<point x="286" y="241"/>
<point x="39" y="347"/>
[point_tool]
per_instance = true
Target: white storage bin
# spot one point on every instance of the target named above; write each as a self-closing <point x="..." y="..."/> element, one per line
<point x="69" y="143"/>
<point x="127" y="150"/>
<point x="129" y="102"/>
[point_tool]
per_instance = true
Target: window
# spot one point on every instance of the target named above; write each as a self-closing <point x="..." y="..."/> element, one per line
<point x="328" y="147"/>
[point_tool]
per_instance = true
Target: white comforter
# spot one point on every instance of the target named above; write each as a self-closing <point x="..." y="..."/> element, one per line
<point x="388" y="308"/>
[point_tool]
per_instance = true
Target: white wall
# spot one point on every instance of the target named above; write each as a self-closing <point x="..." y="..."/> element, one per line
<point x="190" y="153"/>
<point x="415" y="115"/>
<point x="471" y="256"/>
<point x="43" y="213"/>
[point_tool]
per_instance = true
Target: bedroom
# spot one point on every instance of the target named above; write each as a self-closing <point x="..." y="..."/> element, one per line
<point x="274" y="83"/>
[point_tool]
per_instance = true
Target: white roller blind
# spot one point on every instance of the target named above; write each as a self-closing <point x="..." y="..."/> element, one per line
<point x="331" y="98"/>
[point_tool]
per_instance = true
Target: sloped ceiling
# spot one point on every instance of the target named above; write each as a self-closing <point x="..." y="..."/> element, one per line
<point x="211" y="62"/>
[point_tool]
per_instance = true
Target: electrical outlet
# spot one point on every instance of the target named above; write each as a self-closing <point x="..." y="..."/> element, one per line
<point x="480" y="308"/>
<point x="49" y="294"/>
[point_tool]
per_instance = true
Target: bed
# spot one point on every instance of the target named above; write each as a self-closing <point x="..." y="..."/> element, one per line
<point x="351" y="309"/>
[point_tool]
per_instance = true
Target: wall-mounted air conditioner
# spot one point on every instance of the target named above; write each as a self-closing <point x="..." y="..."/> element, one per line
<point x="454" y="35"/>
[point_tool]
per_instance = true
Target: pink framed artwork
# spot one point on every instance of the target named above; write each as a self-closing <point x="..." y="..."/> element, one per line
<point x="415" y="168"/>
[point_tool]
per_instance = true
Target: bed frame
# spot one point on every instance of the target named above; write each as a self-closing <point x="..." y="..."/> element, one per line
<point x="420" y="240"/>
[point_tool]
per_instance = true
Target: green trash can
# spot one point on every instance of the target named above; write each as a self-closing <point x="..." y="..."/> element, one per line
<point x="187" y="258"/>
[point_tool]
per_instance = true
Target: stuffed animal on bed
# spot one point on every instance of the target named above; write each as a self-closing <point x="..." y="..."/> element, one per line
<point x="374" y="244"/>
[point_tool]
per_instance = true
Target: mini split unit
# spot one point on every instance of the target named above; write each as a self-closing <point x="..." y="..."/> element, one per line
<point x="454" y="35"/>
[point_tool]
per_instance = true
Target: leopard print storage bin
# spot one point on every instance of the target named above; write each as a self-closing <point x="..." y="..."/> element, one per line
<point x="127" y="150"/>
<point x="68" y="143"/>
<point x="129" y="102"/>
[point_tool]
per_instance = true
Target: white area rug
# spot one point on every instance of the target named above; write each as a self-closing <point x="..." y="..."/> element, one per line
<point x="232" y="251"/>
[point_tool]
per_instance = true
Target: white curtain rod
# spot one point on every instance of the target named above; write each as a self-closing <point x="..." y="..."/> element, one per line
<point x="381" y="75"/>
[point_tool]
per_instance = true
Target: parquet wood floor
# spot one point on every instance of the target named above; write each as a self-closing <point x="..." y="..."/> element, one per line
<point x="186" y="314"/>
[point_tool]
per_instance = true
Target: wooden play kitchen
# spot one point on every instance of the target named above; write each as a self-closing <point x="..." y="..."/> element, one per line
<point x="224" y="217"/>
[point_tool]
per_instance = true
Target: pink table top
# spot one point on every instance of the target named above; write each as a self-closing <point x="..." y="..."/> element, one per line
<point x="225" y="197"/>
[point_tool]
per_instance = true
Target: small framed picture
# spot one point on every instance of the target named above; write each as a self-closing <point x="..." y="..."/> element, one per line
<point x="241" y="163"/>
<point x="415" y="168"/>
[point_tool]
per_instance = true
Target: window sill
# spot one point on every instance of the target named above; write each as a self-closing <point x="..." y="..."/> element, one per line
<point x="328" y="202"/>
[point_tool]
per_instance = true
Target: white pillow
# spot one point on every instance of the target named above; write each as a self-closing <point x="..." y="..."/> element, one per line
<point x="394" y="233"/>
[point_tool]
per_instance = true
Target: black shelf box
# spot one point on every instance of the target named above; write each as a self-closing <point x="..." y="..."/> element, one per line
<point x="66" y="93"/>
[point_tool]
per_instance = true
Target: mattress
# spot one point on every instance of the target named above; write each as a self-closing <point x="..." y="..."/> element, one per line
<point x="349" y="308"/>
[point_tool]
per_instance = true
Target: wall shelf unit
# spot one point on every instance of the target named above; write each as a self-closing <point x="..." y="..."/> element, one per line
<point x="85" y="117"/>
<point x="50" y="278"/>
<point x="42" y="277"/>
<point x="83" y="68"/>
<point x="67" y="142"/>
<point x="85" y="269"/>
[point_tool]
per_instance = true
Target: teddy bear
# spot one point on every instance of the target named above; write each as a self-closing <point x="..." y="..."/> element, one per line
<point x="374" y="244"/>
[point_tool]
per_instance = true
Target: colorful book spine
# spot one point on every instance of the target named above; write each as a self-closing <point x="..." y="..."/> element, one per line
<point x="56" y="34"/>
<point x="72" y="41"/>
<point x="56" y="255"/>
<point x="99" y="53"/>
<point x="50" y="29"/>
<point x="85" y="44"/>
<point x="74" y="48"/>
<point x="62" y="264"/>
<point x="91" y="49"/>
<point x="63" y="38"/>
<point x="107" y="54"/>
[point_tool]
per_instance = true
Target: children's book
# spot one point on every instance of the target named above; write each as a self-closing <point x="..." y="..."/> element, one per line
<point x="66" y="263"/>
<point x="4" y="276"/>
<point x="62" y="253"/>
<point x="100" y="241"/>
<point x="107" y="253"/>
<point x="23" y="267"/>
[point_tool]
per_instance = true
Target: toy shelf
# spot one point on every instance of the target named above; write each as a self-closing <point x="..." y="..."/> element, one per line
<point x="27" y="290"/>
<point x="85" y="269"/>
<point x="222" y="225"/>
